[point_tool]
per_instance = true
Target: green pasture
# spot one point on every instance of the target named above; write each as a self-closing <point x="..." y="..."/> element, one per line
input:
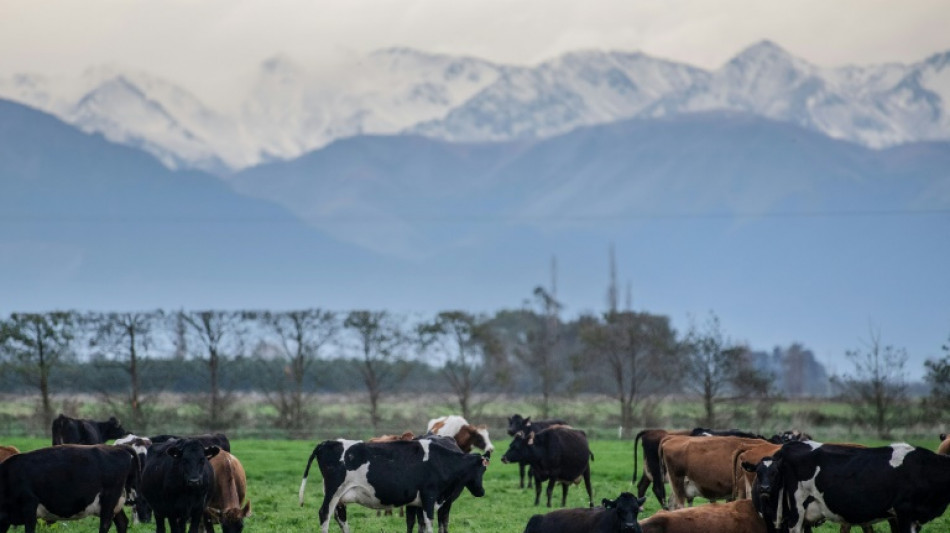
<point x="274" y="469"/>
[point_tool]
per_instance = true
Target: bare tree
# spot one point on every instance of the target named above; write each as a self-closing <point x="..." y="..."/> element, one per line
<point x="299" y="335"/>
<point x="938" y="376"/>
<point x="538" y="351"/>
<point x="636" y="349"/>
<point x="218" y="333"/>
<point x="876" y="389"/>
<point x="124" y="339"/>
<point x="379" y="337"/>
<point x="716" y="369"/>
<point x="466" y="343"/>
<point x="33" y="344"/>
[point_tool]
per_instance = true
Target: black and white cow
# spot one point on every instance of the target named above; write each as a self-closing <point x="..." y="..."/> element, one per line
<point x="517" y="424"/>
<point x="68" y="482"/>
<point x="808" y="482"/>
<point x="616" y="516"/>
<point x="383" y="475"/>
<point x="142" y="511"/>
<point x="177" y="483"/>
<point x="559" y="454"/>
<point x="83" y="431"/>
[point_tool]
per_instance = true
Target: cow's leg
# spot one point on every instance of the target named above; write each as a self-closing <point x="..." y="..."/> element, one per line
<point x="340" y="515"/>
<point x="121" y="522"/>
<point x="159" y="521"/>
<point x="564" y="494"/>
<point x="521" y="474"/>
<point x="411" y="518"/>
<point x="550" y="490"/>
<point x="643" y="485"/>
<point x="209" y="526"/>
<point x="530" y="476"/>
<point x="5" y="526"/>
<point x="590" y="493"/>
<point x="195" y="521"/>
<point x="428" y="512"/>
<point x="444" y="517"/>
<point x="537" y="491"/>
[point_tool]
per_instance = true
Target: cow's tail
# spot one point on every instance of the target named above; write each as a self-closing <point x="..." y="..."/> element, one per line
<point x="591" y="455"/>
<point x="303" y="482"/>
<point x="636" y="440"/>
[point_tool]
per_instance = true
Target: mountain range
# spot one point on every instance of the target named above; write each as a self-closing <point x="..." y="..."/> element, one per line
<point x="288" y="110"/>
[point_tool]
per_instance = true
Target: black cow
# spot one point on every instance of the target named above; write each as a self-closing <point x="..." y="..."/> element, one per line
<point x="559" y="454"/>
<point x="809" y="482"/>
<point x="616" y="516"/>
<point x="177" y="483"/>
<point x="518" y="424"/>
<point x="142" y="512"/>
<point x="705" y="432"/>
<point x="67" y="483"/>
<point x="82" y="431"/>
<point x="382" y="475"/>
<point x="208" y="439"/>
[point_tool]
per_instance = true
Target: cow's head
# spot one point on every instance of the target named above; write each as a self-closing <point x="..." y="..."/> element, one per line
<point x="767" y="489"/>
<point x="516" y="424"/>
<point x="192" y="459"/>
<point x="112" y="429"/>
<point x="519" y="449"/>
<point x="627" y="507"/>
<point x="479" y="463"/>
<point x="231" y="520"/>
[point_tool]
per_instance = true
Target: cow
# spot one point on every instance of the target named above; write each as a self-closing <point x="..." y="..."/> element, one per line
<point x="228" y="505"/>
<point x="653" y="472"/>
<point x="465" y="434"/>
<point x="207" y="439"/>
<point x="68" y="482"/>
<point x="733" y="517"/>
<point x="807" y="482"/>
<point x="559" y="454"/>
<point x="383" y="475"/>
<point x="406" y="435"/>
<point x="177" y="483"/>
<point x="7" y="451"/>
<point x="701" y="466"/>
<point x="67" y="430"/>
<point x="944" y="448"/>
<point x="705" y="432"/>
<point x="615" y="516"/>
<point x="525" y="425"/>
<point x="744" y="478"/>
<point x="143" y="513"/>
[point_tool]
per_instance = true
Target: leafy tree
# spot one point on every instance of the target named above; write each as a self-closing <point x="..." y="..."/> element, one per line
<point x="636" y="349"/>
<point x="124" y="339"/>
<point x="466" y="343"/>
<point x="299" y="336"/>
<point x="218" y="334"/>
<point x="379" y="337"/>
<point x="33" y="344"/>
<point x="876" y="389"/>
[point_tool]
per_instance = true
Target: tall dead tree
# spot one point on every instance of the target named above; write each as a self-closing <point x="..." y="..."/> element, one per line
<point x="379" y="338"/>
<point x="218" y="334"/>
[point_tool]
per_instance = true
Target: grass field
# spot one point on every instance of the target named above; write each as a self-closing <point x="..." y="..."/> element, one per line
<point x="274" y="469"/>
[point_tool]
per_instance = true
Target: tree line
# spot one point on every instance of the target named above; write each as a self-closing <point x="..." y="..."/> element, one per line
<point x="636" y="357"/>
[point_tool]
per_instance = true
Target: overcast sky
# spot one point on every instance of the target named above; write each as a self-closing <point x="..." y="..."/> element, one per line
<point x="205" y="43"/>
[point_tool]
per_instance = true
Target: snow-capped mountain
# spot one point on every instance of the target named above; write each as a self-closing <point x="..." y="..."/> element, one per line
<point x="289" y="109"/>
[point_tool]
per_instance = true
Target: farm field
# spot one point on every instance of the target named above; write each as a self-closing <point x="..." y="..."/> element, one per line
<point x="274" y="469"/>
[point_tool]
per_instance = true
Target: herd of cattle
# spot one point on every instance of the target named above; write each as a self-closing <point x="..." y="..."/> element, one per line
<point x="786" y="483"/>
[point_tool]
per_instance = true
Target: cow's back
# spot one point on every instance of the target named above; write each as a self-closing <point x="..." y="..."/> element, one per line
<point x="566" y="452"/>
<point x="734" y="517"/>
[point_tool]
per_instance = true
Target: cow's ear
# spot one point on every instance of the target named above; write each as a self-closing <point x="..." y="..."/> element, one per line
<point x="174" y="451"/>
<point x="246" y="511"/>
<point x="943" y="436"/>
<point x="641" y="501"/>
<point x="211" y="451"/>
<point x="608" y="504"/>
<point x="527" y="421"/>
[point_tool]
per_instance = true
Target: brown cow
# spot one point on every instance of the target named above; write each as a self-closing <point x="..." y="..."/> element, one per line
<point x="7" y="451"/>
<point x="701" y="466"/>
<point x="734" y="517"/>
<point x="744" y="478"/>
<point x="465" y="434"/>
<point x="407" y="435"/>
<point x="944" y="447"/>
<point x="230" y="491"/>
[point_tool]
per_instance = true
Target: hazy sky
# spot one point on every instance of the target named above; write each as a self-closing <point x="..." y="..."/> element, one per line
<point x="204" y="44"/>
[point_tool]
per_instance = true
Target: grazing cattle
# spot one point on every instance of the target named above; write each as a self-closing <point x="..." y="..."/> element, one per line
<point x="383" y="475"/>
<point x="7" y="451"/>
<point x="177" y="482"/>
<point x="82" y="431"/>
<point x="806" y="483"/>
<point x="68" y="482"/>
<point x="559" y="454"/>
<point x="944" y="448"/>
<point x="518" y="424"/>
<point x="228" y="505"/>
<point x="653" y="472"/>
<point x="616" y="516"/>
<point x="733" y="517"/>
<point x="701" y="466"/>
<point x="143" y="513"/>
<point x="465" y="434"/>
<point x="208" y="439"/>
